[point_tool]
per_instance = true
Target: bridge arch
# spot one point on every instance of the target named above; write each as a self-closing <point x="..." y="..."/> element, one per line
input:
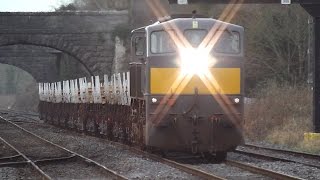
<point x="22" y="91"/>
<point x="39" y="71"/>
<point x="86" y="36"/>
<point x="23" y="68"/>
<point x="65" y="47"/>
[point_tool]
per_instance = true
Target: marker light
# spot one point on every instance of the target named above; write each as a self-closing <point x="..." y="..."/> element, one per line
<point x="154" y="100"/>
<point x="236" y="100"/>
<point x="194" y="61"/>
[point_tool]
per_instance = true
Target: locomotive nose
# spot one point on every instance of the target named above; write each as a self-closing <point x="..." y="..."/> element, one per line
<point x="170" y="81"/>
<point x="195" y="123"/>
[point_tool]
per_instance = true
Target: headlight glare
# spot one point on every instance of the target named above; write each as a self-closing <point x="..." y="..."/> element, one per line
<point x="154" y="100"/>
<point x="194" y="61"/>
<point x="236" y="100"/>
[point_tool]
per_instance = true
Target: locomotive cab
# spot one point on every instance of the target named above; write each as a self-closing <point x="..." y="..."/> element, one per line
<point x="137" y="63"/>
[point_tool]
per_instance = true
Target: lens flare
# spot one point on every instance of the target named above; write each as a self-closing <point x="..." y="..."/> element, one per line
<point x="195" y="61"/>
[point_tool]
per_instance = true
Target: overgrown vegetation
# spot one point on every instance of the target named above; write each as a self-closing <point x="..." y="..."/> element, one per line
<point x="280" y="114"/>
<point x="277" y="43"/>
<point x="96" y="5"/>
<point x="122" y="31"/>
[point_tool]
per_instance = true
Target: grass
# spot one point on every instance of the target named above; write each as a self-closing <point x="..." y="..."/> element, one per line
<point x="281" y="114"/>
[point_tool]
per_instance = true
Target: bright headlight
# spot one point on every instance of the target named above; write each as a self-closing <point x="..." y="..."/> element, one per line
<point x="154" y="100"/>
<point x="194" y="61"/>
<point x="236" y="100"/>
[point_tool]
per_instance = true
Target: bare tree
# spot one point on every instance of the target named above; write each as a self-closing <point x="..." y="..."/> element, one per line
<point x="96" y="5"/>
<point x="277" y="40"/>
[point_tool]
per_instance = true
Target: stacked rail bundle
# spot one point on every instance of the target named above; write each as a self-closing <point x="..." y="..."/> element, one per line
<point x="97" y="107"/>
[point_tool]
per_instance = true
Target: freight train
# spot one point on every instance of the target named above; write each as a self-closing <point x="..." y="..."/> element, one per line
<point x="183" y="91"/>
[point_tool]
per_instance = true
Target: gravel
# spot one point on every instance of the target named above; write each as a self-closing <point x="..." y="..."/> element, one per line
<point x="116" y="158"/>
<point x="281" y="155"/>
<point x="277" y="146"/>
<point x="136" y="166"/>
<point x="6" y="151"/>
<point x="36" y="149"/>
<point x="229" y="172"/>
<point x="9" y="173"/>
<point x="72" y="170"/>
<point x="293" y="169"/>
<point x="245" y="158"/>
<point x="32" y="147"/>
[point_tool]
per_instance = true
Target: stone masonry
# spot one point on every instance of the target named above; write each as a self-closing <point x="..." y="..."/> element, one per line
<point x="88" y="37"/>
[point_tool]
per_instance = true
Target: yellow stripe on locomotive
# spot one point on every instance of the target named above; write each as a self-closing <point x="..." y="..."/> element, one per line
<point x="162" y="80"/>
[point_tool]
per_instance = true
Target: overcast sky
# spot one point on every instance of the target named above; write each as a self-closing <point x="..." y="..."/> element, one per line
<point x="30" y="5"/>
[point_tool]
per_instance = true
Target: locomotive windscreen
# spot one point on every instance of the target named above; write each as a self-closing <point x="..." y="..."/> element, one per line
<point x="228" y="42"/>
<point x="195" y="36"/>
<point x="161" y="42"/>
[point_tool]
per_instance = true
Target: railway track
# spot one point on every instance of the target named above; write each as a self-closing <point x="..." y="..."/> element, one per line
<point x="31" y="117"/>
<point x="43" y="156"/>
<point x="204" y="174"/>
<point x="196" y="171"/>
<point x="272" y="154"/>
<point x="261" y="171"/>
<point x="183" y="167"/>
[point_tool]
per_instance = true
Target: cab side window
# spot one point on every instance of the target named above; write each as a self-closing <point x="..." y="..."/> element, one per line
<point x="139" y="44"/>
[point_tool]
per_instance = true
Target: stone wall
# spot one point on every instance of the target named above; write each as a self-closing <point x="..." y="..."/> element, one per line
<point x="88" y="37"/>
<point x="44" y="64"/>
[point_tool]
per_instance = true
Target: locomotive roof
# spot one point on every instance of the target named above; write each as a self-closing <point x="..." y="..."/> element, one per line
<point x="140" y="29"/>
<point x="182" y="21"/>
<point x="206" y="23"/>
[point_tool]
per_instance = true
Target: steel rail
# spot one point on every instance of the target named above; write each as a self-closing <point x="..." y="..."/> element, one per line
<point x="288" y="152"/>
<point x="28" y="161"/>
<point x="42" y="161"/>
<point x="185" y="168"/>
<point x="268" y="157"/>
<point x="199" y="173"/>
<point x="87" y="160"/>
<point x="258" y="170"/>
<point x="14" y="164"/>
<point x="203" y="174"/>
<point x="294" y="153"/>
<point x="10" y="157"/>
<point x="54" y="159"/>
<point x="7" y="111"/>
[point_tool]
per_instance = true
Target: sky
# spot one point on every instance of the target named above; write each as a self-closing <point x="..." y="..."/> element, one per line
<point x="30" y="5"/>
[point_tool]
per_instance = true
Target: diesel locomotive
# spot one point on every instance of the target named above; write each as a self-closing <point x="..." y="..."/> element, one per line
<point x="185" y="90"/>
<point x="189" y="72"/>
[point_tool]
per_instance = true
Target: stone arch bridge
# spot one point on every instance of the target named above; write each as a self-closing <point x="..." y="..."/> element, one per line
<point x="88" y="37"/>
